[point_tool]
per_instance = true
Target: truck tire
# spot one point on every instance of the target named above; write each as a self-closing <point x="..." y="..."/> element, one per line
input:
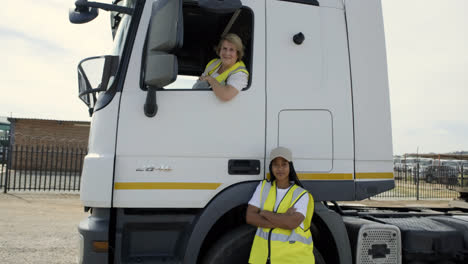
<point x="234" y="248"/>
<point x="318" y="257"/>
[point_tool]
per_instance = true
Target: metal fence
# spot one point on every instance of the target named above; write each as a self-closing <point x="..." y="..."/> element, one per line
<point x="46" y="168"/>
<point x="41" y="168"/>
<point x="430" y="182"/>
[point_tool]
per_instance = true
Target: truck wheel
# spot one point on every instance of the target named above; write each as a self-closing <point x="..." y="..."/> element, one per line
<point x="232" y="248"/>
<point x="318" y="257"/>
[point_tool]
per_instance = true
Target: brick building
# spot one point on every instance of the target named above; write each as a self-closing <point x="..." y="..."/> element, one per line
<point x="39" y="132"/>
<point x="41" y="144"/>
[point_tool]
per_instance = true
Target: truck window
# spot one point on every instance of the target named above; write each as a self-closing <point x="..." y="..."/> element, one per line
<point x="202" y="31"/>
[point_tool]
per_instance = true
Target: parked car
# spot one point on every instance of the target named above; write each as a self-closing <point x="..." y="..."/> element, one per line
<point x="423" y="164"/>
<point x="464" y="165"/>
<point x="404" y="164"/>
<point x="396" y="163"/>
<point x="441" y="174"/>
<point x="3" y="154"/>
<point x="451" y="163"/>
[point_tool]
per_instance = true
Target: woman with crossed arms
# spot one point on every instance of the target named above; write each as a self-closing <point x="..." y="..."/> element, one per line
<point x="282" y="212"/>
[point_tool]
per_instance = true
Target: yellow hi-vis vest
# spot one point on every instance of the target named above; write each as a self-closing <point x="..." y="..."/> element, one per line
<point x="215" y="63"/>
<point x="282" y="245"/>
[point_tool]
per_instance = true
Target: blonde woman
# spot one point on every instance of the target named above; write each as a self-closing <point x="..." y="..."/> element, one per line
<point x="227" y="75"/>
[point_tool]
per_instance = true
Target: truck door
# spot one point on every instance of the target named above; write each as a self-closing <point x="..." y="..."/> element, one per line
<point x="309" y="104"/>
<point x="179" y="158"/>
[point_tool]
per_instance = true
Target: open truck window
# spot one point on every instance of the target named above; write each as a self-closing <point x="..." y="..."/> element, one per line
<point x="202" y="30"/>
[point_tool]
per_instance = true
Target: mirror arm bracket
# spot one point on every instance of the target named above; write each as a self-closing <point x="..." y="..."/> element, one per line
<point x="80" y="4"/>
<point x="151" y="106"/>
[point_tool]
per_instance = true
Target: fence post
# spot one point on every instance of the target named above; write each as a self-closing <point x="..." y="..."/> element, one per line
<point x="51" y="167"/>
<point x="5" y="187"/>
<point x="462" y="172"/>
<point x="7" y="178"/>
<point x="2" y="164"/>
<point x="41" y="166"/>
<point x="406" y="173"/>
<point x="417" y="181"/>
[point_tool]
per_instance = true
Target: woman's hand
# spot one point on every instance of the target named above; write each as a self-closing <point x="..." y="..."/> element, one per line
<point x="288" y="220"/>
<point x="208" y="78"/>
<point x="223" y="92"/>
<point x="254" y="218"/>
<point x="290" y="211"/>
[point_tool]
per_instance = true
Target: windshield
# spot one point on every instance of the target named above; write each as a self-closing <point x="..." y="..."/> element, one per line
<point x="450" y="163"/>
<point x="425" y="162"/>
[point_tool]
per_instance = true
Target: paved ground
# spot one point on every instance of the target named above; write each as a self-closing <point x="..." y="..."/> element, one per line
<point x="42" y="227"/>
<point x="39" y="228"/>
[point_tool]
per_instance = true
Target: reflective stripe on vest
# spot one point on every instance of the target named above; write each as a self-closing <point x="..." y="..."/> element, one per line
<point x="284" y="238"/>
<point x="297" y="194"/>
<point x="215" y="63"/>
<point x="264" y="193"/>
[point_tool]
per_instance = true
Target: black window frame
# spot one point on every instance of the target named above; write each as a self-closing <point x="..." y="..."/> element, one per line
<point x="248" y="47"/>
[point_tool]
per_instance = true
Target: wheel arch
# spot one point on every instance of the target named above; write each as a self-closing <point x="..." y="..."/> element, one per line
<point x="335" y="246"/>
<point x="226" y="203"/>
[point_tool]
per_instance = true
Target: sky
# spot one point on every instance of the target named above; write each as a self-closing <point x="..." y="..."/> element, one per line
<point x="427" y="54"/>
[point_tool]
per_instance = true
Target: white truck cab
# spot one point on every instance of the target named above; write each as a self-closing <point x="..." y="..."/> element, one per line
<point x="170" y="169"/>
<point x="300" y="95"/>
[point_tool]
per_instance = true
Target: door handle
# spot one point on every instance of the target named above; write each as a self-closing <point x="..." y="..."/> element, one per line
<point x="244" y="167"/>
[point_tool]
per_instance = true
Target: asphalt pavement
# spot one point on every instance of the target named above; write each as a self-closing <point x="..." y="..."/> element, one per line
<point x="40" y="227"/>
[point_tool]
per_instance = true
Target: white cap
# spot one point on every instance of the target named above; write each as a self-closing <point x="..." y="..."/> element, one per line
<point x="281" y="152"/>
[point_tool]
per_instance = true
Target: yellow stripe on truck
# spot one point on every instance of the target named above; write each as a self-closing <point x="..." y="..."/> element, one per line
<point x="325" y="176"/>
<point x="215" y="185"/>
<point x="374" y="175"/>
<point x="166" y="185"/>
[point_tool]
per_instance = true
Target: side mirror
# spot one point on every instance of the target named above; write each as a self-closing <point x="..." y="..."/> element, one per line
<point x="95" y="75"/>
<point x="161" y="69"/>
<point x="165" y="34"/>
<point x="165" y="31"/>
<point x="86" y="11"/>
<point x="82" y="15"/>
